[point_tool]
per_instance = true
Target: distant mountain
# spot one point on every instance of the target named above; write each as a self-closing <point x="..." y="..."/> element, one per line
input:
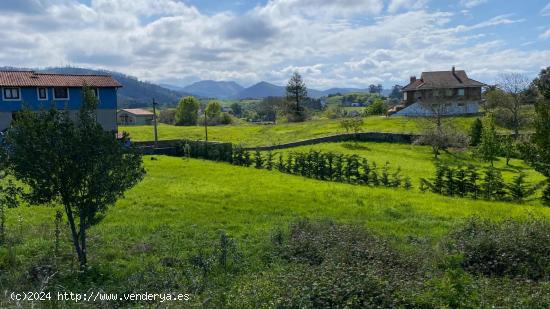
<point x="261" y="90"/>
<point x="264" y="89"/>
<point x="214" y="89"/>
<point x="344" y="90"/>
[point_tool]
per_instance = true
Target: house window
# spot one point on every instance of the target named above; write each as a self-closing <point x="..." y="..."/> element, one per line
<point x="436" y="93"/>
<point x="11" y="94"/>
<point x="405" y="96"/>
<point x="449" y="92"/>
<point x="461" y="92"/>
<point x="42" y="93"/>
<point x="61" y="93"/>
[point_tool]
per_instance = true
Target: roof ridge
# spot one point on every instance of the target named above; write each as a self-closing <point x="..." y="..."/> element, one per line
<point x="63" y="74"/>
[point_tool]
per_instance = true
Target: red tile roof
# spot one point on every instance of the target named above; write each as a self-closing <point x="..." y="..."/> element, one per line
<point x="33" y="79"/>
<point x="443" y="79"/>
<point x="138" y="111"/>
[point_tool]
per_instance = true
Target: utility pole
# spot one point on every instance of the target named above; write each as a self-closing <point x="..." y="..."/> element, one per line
<point x="155" y="121"/>
<point x="205" y="132"/>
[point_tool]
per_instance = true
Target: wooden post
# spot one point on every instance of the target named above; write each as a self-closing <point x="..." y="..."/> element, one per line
<point x="205" y="133"/>
<point x="155" y="121"/>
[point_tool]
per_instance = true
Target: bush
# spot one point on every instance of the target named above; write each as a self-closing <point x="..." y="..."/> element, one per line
<point x="210" y="151"/>
<point x="511" y="248"/>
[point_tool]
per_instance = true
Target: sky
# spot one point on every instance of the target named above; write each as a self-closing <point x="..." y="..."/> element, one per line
<point x="332" y="43"/>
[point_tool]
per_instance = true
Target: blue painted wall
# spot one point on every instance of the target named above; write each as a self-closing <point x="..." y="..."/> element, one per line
<point x="29" y="98"/>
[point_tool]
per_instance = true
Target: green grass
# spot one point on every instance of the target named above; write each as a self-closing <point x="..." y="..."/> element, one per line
<point x="263" y="135"/>
<point x="182" y="205"/>
<point x="418" y="161"/>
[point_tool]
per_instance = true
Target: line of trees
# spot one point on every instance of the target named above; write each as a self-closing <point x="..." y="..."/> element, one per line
<point x="325" y="166"/>
<point x="469" y="181"/>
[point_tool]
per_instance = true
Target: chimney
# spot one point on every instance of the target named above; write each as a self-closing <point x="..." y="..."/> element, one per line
<point x="413" y="79"/>
<point x="454" y="70"/>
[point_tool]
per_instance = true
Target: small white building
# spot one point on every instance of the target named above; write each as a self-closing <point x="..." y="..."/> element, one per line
<point x="135" y="117"/>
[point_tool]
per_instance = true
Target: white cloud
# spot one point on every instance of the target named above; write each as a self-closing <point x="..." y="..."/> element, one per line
<point x="545" y="35"/>
<point x="546" y="10"/>
<point x="472" y="3"/>
<point x="396" y="5"/>
<point x="332" y="43"/>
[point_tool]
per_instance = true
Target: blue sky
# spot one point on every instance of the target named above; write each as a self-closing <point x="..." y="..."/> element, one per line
<point x="341" y="43"/>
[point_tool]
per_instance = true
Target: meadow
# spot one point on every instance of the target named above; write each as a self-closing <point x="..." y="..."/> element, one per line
<point x="418" y="161"/>
<point x="178" y="211"/>
<point x="251" y="135"/>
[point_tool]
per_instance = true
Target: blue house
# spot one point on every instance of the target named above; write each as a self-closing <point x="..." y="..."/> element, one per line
<point x="43" y="90"/>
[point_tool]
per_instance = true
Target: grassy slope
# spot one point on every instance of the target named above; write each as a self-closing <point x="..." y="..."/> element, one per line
<point x="181" y="203"/>
<point x="260" y="135"/>
<point x="418" y="161"/>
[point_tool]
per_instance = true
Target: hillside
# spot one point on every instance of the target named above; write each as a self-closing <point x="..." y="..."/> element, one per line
<point x="265" y="89"/>
<point x="214" y="89"/>
<point x="134" y="93"/>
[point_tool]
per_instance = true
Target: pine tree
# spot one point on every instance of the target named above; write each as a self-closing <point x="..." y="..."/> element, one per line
<point x="493" y="185"/>
<point x="472" y="179"/>
<point x="518" y="189"/>
<point x="396" y="178"/>
<point x="439" y="182"/>
<point x="407" y="183"/>
<point x="461" y="182"/>
<point x="450" y="185"/>
<point x="489" y="147"/>
<point x="365" y="176"/>
<point x="339" y="168"/>
<point x="296" y="95"/>
<point x="375" y="179"/>
<point x="246" y="158"/>
<point x="475" y="132"/>
<point x="258" y="160"/>
<point x="330" y="166"/>
<point x="385" y="179"/>
<point x="269" y="161"/>
<point x="281" y="164"/>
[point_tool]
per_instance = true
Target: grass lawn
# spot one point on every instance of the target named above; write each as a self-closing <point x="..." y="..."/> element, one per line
<point x="418" y="161"/>
<point x="264" y="135"/>
<point x="182" y="205"/>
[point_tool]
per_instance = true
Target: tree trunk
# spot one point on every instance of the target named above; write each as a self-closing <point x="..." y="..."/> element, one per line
<point x="82" y="234"/>
<point x="74" y="234"/>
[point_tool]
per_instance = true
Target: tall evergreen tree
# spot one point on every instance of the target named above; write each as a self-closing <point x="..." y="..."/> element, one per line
<point x="489" y="146"/>
<point x="296" y="96"/>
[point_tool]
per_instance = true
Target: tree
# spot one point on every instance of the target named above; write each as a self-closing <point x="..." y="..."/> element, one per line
<point x="213" y="109"/>
<point x="167" y="116"/>
<point x="296" y="95"/>
<point x="396" y="92"/>
<point x="537" y="152"/>
<point x="489" y="146"/>
<point x="475" y="132"/>
<point x="441" y="138"/>
<point x="237" y="109"/>
<point x="75" y="163"/>
<point x="508" y="99"/>
<point x="378" y="107"/>
<point x="187" y="112"/>
<point x="353" y="125"/>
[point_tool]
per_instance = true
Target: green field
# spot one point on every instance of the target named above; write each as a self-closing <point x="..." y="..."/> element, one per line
<point x="263" y="135"/>
<point x="182" y="205"/>
<point x="418" y="161"/>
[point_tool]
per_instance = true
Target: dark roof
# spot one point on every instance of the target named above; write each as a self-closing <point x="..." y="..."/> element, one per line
<point x="33" y="79"/>
<point x="443" y="79"/>
<point x="137" y="111"/>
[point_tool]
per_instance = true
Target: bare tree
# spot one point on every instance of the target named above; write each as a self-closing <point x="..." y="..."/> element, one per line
<point x="510" y="95"/>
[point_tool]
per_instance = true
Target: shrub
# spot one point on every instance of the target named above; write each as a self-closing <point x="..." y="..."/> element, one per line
<point x="510" y="248"/>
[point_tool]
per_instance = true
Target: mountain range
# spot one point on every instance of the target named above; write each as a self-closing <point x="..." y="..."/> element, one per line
<point x="232" y="90"/>
<point x="136" y="93"/>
